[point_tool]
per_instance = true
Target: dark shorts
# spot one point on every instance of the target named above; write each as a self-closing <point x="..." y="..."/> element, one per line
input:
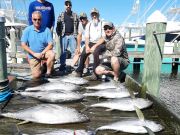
<point x="123" y="64"/>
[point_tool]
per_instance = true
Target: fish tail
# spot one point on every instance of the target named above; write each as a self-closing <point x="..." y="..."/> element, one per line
<point x="139" y="113"/>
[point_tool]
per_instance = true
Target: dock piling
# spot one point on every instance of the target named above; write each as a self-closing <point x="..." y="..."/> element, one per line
<point x="13" y="44"/>
<point x="3" y="62"/>
<point x="153" y="53"/>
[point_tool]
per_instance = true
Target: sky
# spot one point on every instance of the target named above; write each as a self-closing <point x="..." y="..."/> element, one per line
<point x="116" y="11"/>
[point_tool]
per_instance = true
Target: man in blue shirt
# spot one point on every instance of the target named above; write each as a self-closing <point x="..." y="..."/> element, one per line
<point x="38" y="42"/>
<point x="47" y="10"/>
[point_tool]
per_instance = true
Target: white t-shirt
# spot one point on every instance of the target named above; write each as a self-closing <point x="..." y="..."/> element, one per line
<point x="94" y="33"/>
<point x="81" y="29"/>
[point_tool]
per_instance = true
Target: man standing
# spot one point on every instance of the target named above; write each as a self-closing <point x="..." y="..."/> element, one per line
<point x="47" y="10"/>
<point x="94" y="31"/>
<point x="67" y="27"/>
<point x="115" y="59"/>
<point x="38" y="42"/>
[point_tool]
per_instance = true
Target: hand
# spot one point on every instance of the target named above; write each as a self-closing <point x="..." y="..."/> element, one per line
<point x="77" y="52"/>
<point x="37" y="55"/>
<point x="92" y="49"/>
<point x="88" y="50"/>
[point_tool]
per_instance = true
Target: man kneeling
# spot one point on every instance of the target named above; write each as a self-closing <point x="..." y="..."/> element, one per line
<point x="115" y="59"/>
<point x="38" y="42"/>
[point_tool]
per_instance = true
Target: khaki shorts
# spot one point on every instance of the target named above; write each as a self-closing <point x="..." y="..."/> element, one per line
<point x="123" y="64"/>
<point x="35" y="65"/>
<point x="38" y="65"/>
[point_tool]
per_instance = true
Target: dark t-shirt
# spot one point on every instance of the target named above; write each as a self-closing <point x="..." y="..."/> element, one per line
<point x="68" y="20"/>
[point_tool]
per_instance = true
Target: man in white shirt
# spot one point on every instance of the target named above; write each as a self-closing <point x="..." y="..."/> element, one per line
<point x="81" y="41"/>
<point x="93" y="32"/>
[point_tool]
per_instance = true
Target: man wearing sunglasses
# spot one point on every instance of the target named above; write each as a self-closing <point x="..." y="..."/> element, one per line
<point x="38" y="42"/>
<point x="115" y="59"/>
<point x="94" y="31"/>
<point x="67" y="27"/>
<point x="47" y="10"/>
<point x="81" y="41"/>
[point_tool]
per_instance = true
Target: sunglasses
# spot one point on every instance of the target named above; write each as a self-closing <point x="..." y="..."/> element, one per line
<point x="68" y="4"/>
<point x="83" y="18"/>
<point x="36" y="19"/>
<point x="108" y="28"/>
<point x="94" y="14"/>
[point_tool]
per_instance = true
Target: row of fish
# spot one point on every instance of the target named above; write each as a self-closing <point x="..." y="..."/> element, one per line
<point x="66" y="91"/>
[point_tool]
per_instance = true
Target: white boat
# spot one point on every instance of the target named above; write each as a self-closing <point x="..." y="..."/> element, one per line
<point x="134" y="32"/>
<point x="15" y="20"/>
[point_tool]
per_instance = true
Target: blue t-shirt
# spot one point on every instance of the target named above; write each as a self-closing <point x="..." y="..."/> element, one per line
<point x="47" y="11"/>
<point x="36" y="40"/>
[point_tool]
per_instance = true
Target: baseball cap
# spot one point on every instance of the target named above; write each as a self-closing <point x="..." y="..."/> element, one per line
<point x="110" y="24"/>
<point x="94" y="10"/>
<point x="67" y="1"/>
<point x="82" y="14"/>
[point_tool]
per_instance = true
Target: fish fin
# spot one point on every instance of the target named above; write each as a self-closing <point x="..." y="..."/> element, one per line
<point x="108" y="110"/>
<point x="23" y="122"/>
<point x="85" y="109"/>
<point x="131" y="94"/>
<point x="139" y="113"/>
<point x="150" y="132"/>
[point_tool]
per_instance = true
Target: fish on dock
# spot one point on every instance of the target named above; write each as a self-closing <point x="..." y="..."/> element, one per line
<point x="109" y="93"/>
<point x="133" y="125"/>
<point x="70" y="79"/>
<point x="67" y="132"/>
<point x="125" y="104"/>
<point x="48" y="114"/>
<point x="54" y="96"/>
<point x="54" y="86"/>
<point x="107" y="85"/>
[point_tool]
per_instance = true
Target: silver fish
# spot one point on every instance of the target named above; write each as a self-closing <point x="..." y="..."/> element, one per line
<point x="109" y="93"/>
<point x="125" y="104"/>
<point x="69" y="79"/>
<point x="48" y="114"/>
<point x="67" y="132"/>
<point x="133" y="125"/>
<point x="106" y="85"/>
<point x="54" y="86"/>
<point x="54" y="96"/>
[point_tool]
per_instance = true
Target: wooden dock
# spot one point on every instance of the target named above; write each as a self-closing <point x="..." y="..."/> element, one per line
<point x="136" y="55"/>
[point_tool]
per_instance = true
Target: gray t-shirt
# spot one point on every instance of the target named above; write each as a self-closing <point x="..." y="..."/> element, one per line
<point x="81" y="29"/>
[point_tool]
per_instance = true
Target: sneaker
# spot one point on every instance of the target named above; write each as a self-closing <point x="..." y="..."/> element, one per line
<point x="92" y="77"/>
<point x="104" y="78"/>
<point x="47" y="76"/>
<point x="86" y="71"/>
<point x="76" y="74"/>
<point x="116" y="79"/>
<point x="62" y="68"/>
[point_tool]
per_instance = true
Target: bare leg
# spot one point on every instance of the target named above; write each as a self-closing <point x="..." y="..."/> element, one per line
<point x="116" y="66"/>
<point x="75" y="59"/>
<point x="102" y="71"/>
<point x="50" y="56"/>
<point x="87" y="62"/>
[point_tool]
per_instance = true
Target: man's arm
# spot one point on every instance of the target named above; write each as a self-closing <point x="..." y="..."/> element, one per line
<point x="79" y="39"/>
<point x="59" y="26"/>
<point x="49" y="47"/>
<point x="27" y="49"/>
<point x="31" y="10"/>
<point x="99" y="42"/>
<point x="52" y="17"/>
